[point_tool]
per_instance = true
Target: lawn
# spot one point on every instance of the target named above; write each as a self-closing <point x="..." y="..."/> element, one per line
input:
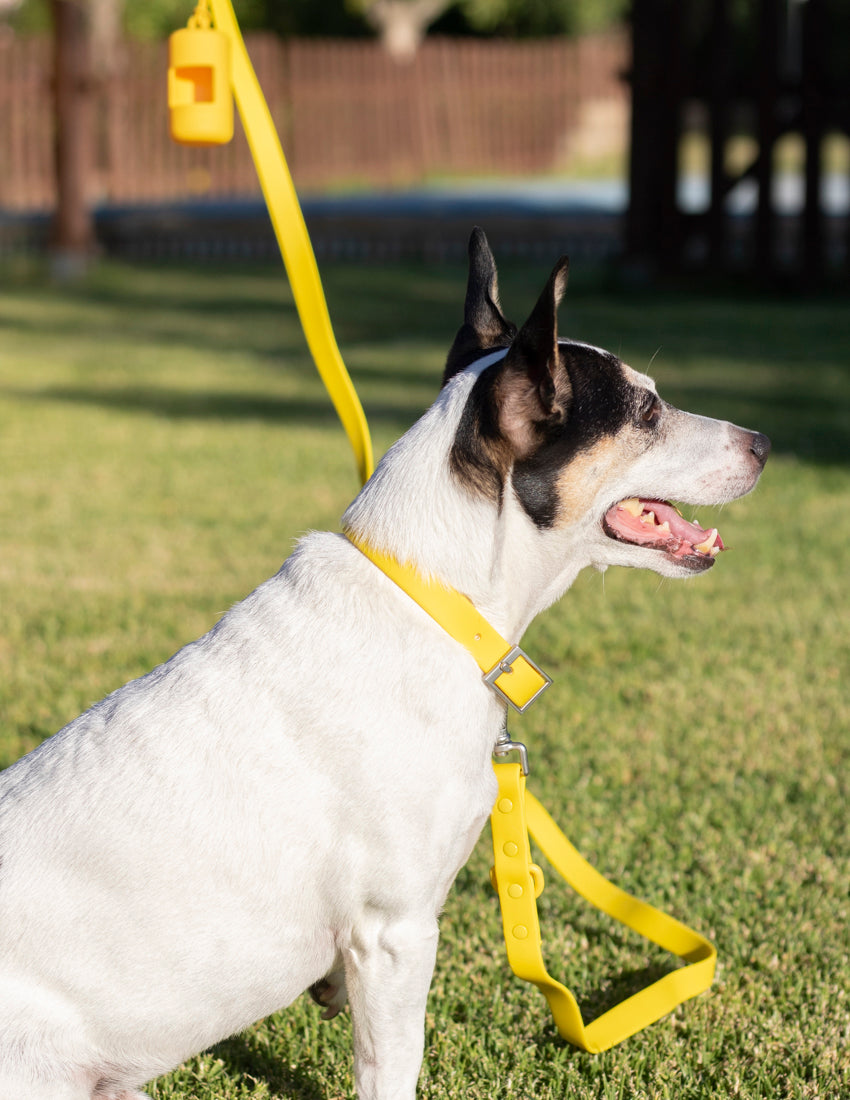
<point x="163" y="441"/>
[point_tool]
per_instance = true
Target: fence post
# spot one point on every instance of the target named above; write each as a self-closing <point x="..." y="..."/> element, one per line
<point x="74" y="105"/>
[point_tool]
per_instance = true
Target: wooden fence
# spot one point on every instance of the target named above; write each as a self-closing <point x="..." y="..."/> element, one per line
<point x="346" y="113"/>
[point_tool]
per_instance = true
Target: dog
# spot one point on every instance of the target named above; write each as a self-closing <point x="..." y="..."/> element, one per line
<point x="239" y="825"/>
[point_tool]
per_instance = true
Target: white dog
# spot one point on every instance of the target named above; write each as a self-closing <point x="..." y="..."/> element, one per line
<point x="209" y="841"/>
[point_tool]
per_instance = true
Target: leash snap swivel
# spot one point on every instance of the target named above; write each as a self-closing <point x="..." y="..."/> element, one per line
<point x="505" y="745"/>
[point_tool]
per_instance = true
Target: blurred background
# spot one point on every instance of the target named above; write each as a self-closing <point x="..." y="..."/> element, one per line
<point x="655" y="135"/>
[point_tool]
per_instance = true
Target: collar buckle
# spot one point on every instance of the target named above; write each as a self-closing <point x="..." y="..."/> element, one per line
<point x="517" y="680"/>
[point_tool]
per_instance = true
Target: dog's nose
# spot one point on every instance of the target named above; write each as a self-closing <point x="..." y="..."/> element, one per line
<point x="760" y="447"/>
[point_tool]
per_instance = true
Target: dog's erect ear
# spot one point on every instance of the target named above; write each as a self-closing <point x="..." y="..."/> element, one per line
<point x="484" y="327"/>
<point x="481" y="310"/>
<point x="533" y="388"/>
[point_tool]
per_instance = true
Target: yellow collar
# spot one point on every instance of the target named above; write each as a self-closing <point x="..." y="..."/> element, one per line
<point x="507" y="669"/>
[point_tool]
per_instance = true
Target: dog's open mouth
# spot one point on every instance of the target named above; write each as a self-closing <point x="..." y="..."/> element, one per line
<point x="657" y="525"/>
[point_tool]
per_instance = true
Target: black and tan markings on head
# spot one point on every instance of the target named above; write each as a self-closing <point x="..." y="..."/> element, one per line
<point x="554" y="414"/>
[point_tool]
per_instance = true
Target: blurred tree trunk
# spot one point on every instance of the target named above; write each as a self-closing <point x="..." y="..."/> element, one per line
<point x="402" y="24"/>
<point x="73" y="239"/>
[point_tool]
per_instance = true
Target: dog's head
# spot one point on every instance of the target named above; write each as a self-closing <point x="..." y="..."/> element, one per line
<point x="579" y="440"/>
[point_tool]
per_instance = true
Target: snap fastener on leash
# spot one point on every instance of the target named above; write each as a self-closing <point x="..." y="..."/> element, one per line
<point x="205" y="62"/>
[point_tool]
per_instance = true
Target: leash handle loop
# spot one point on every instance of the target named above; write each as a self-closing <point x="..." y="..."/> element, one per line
<point x="516" y="814"/>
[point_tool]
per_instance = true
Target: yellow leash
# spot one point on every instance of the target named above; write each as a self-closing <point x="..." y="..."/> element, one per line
<point x="199" y="115"/>
<point x="519" y="882"/>
<point x="204" y="62"/>
<point x="515" y="678"/>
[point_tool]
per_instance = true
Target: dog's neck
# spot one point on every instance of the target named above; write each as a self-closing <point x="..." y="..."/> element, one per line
<point x="414" y="509"/>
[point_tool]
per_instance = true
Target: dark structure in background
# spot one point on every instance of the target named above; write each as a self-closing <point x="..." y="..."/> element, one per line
<point x="72" y="88"/>
<point x="739" y="69"/>
<point x="759" y="90"/>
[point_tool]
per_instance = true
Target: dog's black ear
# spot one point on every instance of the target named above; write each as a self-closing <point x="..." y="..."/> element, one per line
<point x="534" y="389"/>
<point x="484" y="327"/>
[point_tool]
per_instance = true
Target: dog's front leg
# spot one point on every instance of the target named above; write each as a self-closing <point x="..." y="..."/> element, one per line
<point x="388" y="969"/>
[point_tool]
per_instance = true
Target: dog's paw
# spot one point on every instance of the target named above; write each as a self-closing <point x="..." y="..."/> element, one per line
<point x="330" y="993"/>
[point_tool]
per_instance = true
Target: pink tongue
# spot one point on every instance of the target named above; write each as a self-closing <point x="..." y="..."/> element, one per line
<point x="681" y="539"/>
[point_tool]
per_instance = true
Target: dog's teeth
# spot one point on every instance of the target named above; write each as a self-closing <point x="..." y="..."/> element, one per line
<point x="648" y="519"/>
<point x="664" y="528"/>
<point x="714" y="551"/>
<point x="632" y="505"/>
<point x="707" y="545"/>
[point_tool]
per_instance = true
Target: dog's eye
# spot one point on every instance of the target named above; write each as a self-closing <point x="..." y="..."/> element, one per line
<point x="650" y="411"/>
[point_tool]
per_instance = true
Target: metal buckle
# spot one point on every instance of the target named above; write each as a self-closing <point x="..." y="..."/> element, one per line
<point x="504" y="745"/>
<point x="505" y="665"/>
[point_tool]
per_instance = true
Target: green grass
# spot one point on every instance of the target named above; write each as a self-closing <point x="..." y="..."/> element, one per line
<point x="164" y="439"/>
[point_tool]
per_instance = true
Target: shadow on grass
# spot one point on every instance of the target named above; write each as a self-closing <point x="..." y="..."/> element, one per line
<point x="241" y="1056"/>
<point x="812" y="426"/>
<point x="620" y="987"/>
<point x="231" y="310"/>
<point x="176" y="405"/>
<point x="394" y="321"/>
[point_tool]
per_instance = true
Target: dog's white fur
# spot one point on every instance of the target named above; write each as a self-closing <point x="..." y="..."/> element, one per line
<point x="292" y="795"/>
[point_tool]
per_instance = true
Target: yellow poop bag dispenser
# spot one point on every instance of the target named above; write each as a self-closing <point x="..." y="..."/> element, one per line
<point x="200" y="103"/>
